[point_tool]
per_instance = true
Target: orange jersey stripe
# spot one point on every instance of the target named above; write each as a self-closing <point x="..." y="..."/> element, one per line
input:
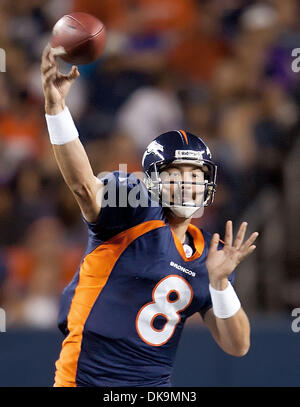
<point x="93" y="275"/>
<point x="185" y="136"/>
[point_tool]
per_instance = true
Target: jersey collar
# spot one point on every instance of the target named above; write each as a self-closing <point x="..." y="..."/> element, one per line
<point x="198" y="240"/>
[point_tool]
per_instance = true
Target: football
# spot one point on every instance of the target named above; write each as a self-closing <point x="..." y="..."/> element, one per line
<point x="78" y="38"/>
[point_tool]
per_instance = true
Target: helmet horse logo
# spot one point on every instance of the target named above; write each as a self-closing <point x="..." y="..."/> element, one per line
<point x="155" y="148"/>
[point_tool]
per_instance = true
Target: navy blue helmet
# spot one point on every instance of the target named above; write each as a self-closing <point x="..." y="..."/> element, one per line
<point x="178" y="147"/>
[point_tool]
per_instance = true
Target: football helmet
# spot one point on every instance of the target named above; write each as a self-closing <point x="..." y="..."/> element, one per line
<point x="179" y="147"/>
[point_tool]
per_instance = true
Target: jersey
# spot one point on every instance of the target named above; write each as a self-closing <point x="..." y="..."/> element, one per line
<point x="123" y="313"/>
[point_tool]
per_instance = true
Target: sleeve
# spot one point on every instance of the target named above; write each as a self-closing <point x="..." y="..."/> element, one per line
<point x="126" y="202"/>
<point x="208" y="304"/>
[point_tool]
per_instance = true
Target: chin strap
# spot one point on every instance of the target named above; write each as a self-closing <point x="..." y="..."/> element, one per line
<point x="184" y="212"/>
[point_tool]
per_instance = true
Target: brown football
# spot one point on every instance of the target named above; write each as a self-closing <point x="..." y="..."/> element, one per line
<point x="78" y="38"/>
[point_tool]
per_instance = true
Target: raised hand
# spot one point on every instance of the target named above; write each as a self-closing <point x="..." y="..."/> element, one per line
<point x="221" y="263"/>
<point x="55" y="85"/>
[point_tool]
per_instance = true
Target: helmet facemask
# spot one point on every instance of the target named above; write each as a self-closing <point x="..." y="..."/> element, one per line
<point x="185" y="196"/>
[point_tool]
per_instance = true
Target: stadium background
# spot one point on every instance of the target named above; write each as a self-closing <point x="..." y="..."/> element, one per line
<point x="219" y="69"/>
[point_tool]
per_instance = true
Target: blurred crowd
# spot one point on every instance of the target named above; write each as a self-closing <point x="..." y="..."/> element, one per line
<point x="218" y="69"/>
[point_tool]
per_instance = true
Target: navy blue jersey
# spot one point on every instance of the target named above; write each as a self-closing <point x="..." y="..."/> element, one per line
<point x="123" y="313"/>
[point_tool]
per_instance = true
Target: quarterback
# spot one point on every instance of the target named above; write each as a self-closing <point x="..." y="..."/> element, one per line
<point x="146" y="268"/>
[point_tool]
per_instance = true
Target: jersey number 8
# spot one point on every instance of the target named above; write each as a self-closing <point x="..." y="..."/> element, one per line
<point x="162" y="305"/>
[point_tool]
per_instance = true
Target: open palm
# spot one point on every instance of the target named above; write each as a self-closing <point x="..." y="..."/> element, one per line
<point x="221" y="263"/>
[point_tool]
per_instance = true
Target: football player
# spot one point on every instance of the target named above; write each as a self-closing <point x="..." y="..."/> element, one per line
<point x="146" y="268"/>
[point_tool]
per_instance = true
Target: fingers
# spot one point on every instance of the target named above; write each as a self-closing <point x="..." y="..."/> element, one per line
<point x="250" y="241"/>
<point x="50" y="74"/>
<point x="47" y="57"/>
<point x="73" y="74"/>
<point x="246" y="252"/>
<point x="228" y="233"/>
<point x="248" y="247"/>
<point x="46" y="51"/>
<point x="214" y="243"/>
<point x="49" y="68"/>
<point x="52" y="59"/>
<point x="48" y="60"/>
<point x="240" y="235"/>
<point x="47" y="65"/>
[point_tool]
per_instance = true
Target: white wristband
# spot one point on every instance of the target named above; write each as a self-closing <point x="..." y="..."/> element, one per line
<point x="225" y="302"/>
<point x="61" y="127"/>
